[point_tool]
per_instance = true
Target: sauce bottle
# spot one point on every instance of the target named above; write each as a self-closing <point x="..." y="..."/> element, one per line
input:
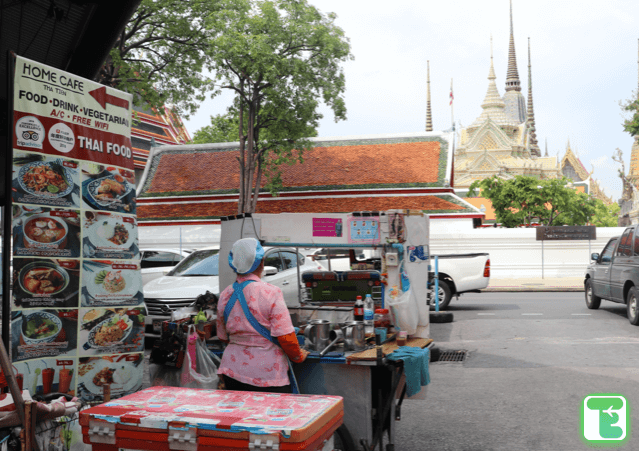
<point x="358" y="310"/>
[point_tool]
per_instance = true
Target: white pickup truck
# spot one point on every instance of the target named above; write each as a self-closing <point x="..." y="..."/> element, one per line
<point x="458" y="273"/>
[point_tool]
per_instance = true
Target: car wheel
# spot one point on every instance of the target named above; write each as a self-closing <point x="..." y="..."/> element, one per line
<point x="631" y="305"/>
<point x="445" y="295"/>
<point x="441" y="317"/>
<point x="592" y="301"/>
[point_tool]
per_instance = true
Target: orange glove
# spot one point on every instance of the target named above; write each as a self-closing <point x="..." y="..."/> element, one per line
<point x="291" y="347"/>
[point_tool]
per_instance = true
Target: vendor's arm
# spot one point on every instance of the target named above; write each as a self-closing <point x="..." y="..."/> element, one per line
<point x="222" y="335"/>
<point x="292" y="348"/>
<point x="282" y="328"/>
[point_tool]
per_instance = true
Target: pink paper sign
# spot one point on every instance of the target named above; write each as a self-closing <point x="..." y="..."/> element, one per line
<point x="330" y="227"/>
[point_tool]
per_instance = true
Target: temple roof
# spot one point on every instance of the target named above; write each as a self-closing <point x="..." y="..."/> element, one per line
<point x="359" y="173"/>
<point x="578" y="166"/>
<point x="360" y="162"/>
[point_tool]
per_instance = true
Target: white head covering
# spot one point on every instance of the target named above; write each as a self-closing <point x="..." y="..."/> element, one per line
<point x="246" y="255"/>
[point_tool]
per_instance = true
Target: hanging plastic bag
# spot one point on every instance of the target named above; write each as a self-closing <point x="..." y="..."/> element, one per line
<point x="198" y="370"/>
<point x="404" y="309"/>
<point x="205" y="365"/>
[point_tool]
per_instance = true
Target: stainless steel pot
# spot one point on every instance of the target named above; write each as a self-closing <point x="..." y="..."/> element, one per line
<point x="354" y="336"/>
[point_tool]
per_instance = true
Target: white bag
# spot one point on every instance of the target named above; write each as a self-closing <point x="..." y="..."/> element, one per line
<point x="203" y="372"/>
<point x="404" y="309"/>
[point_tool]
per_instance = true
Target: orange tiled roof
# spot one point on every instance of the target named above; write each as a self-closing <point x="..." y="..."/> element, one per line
<point x="416" y="162"/>
<point x="309" y="205"/>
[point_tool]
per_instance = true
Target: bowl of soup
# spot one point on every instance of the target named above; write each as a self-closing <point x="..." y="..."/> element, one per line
<point x="42" y="279"/>
<point x="44" y="231"/>
<point x="40" y="327"/>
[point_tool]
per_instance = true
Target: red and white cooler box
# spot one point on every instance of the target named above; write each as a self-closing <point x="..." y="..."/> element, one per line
<point x="170" y="418"/>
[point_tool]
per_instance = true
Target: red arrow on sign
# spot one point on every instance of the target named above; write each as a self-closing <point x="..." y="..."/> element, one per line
<point x="103" y="98"/>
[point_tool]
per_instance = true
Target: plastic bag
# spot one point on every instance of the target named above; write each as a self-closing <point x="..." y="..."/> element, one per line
<point x="404" y="309"/>
<point x="198" y="370"/>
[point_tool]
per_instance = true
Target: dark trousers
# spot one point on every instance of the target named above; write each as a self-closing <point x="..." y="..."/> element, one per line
<point x="232" y="384"/>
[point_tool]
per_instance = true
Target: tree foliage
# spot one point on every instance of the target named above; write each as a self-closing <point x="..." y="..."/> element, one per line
<point x="159" y="56"/>
<point x="632" y="125"/>
<point x="224" y="128"/>
<point x="527" y="200"/>
<point x="280" y="58"/>
<point x="606" y="215"/>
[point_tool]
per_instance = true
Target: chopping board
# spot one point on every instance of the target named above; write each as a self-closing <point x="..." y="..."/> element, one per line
<point x="387" y="348"/>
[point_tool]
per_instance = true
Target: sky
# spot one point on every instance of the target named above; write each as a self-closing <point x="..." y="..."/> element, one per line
<point x="584" y="57"/>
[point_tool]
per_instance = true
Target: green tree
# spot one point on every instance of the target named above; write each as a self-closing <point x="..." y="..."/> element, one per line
<point x="606" y="215"/>
<point x="525" y="200"/>
<point x="632" y="125"/>
<point x="280" y="58"/>
<point x="224" y="128"/>
<point x="159" y="56"/>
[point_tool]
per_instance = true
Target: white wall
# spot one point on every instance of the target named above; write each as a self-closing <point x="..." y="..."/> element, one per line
<point x="515" y="253"/>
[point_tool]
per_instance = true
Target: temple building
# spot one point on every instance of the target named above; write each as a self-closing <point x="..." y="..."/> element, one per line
<point x="629" y="202"/>
<point x="574" y="169"/>
<point x="153" y="128"/>
<point x="502" y="140"/>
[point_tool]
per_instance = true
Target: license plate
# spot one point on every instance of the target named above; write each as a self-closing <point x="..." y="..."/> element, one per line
<point x="157" y="325"/>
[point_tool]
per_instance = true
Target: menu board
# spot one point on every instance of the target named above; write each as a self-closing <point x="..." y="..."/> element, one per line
<point x="77" y="310"/>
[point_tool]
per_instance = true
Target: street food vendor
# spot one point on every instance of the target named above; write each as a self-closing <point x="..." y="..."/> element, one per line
<point x="253" y="319"/>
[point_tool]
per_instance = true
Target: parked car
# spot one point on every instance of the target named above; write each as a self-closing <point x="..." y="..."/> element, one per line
<point x="613" y="275"/>
<point x="159" y="262"/>
<point x="458" y="273"/>
<point x="199" y="273"/>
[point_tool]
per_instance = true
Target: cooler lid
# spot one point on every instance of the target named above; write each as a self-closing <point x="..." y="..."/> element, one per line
<point x="217" y="410"/>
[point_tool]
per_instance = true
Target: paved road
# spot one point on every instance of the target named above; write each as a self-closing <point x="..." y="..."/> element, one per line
<point x="532" y="359"/>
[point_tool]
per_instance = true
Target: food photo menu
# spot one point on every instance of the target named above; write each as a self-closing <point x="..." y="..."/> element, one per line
<point x="77" y="310"/>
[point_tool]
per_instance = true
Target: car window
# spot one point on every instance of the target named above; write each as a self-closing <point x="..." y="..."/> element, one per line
<point x="636" y="241"/>
<point x="290" y="259"/>
<point x="199" y="263"/>
<point x="156" y="259"/>
<point x="625" y="243"/>
<point x="606" y="255"/>
<point x="273" y="259"/>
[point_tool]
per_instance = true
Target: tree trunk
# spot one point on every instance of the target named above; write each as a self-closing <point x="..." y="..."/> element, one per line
<point x="240" y="197"/>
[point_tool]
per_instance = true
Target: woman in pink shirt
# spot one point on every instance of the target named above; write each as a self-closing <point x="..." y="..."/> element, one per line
<point x="253" y="318"/>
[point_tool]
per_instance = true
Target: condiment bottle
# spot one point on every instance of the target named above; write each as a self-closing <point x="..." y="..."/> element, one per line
<point x="358" y="310"/>
<point x="382" y="318"/>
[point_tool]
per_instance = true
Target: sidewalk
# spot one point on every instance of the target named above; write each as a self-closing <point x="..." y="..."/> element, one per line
<point x="537" y="284"/>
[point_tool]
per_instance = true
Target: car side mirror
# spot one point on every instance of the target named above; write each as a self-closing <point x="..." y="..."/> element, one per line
<point x="594" y="256"/>
<point x="270" y="270"/>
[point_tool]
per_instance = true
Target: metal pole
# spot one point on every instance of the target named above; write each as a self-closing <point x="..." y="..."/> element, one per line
<point x="299" y="279"/>
<point x="7" y="213"/>
<point x="436" y="283"/>
<point x="542" y="259"/>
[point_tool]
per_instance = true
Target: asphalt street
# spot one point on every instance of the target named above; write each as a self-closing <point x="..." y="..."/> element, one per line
<point x="532" y="358"/>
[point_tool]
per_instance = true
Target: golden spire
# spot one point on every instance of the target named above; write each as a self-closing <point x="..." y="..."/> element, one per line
<point x="512" y="76"/>
<point x="534" y="148"/>
<point x="429" y="118"/>
<point x="492" y="99"/>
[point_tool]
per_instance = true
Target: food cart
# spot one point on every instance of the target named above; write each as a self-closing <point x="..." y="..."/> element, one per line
<point x="372" y="384"/>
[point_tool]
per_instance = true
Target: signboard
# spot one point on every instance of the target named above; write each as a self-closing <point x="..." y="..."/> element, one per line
<point x="567" y="233"/>
<point x="77" y="310"/>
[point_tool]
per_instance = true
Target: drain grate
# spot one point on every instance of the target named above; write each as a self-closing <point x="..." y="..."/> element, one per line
<point x="452" y="356"/>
